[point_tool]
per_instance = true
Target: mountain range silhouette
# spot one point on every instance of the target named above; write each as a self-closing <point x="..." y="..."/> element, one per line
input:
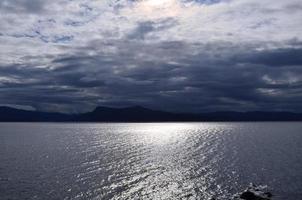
<point x="141" y="114"/>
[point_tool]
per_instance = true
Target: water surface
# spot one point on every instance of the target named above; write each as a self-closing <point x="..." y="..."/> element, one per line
<point x="148" y="160"/>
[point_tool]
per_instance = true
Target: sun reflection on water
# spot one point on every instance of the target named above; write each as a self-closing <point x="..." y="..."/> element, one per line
<point x="166" y="162"/>
<point x="163" y="134"/>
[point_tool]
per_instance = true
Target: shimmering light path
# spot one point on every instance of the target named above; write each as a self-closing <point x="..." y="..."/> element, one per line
<point x="148" y="161"/>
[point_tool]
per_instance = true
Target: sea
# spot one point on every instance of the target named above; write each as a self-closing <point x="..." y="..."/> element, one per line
<point x="149" y="160"/>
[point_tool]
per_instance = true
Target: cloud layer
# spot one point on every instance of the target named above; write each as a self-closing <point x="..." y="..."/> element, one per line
<point x="176" y="55"/>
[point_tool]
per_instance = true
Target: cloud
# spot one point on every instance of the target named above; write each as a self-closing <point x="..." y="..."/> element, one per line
<point x="145" y="28"/>
<point x="16" y="6"/>
<point x="275" y="57"/>
<point x="187" y="56"/>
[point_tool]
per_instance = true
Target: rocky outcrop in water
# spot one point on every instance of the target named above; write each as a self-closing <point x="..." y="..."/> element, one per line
<point x="254" y="192"/>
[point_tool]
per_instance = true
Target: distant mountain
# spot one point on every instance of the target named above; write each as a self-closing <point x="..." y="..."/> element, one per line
<point x="251" y="116"/>
<point x="141" y="114"/>
<point x="134" y="114"/>
<point x="8" y="114"/>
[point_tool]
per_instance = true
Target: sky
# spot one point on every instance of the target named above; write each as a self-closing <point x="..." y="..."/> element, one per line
<point x="174" y="55"/>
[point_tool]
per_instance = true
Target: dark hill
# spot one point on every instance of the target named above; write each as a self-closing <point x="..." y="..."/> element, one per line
<point x="133" y="114"/>
<point x="8" y="114"/>
<point x="141" y="114"/>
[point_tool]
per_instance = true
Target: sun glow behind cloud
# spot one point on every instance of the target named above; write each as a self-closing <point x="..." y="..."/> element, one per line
<point x="158" y="3"/>
<point x="155" y="9"/>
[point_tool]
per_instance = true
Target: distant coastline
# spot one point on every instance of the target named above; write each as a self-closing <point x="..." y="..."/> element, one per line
<point x="142" y="114"/>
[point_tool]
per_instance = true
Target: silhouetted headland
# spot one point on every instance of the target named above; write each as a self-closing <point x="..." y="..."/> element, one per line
<point x="141" y="114"/>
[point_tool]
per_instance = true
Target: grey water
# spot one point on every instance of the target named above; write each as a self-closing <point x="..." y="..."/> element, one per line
<point x="149" y="160"/>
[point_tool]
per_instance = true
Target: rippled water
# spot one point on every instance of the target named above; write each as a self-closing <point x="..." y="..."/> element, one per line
<point x="148" y="160"/>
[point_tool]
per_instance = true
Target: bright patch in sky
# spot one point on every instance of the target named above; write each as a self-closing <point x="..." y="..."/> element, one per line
<point x="158" y="3"/>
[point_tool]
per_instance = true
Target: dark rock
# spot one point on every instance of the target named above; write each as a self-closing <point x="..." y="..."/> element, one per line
<point x="254" y="192"/>
<point x="248" y="195"/>
<point x="268" y="194"/>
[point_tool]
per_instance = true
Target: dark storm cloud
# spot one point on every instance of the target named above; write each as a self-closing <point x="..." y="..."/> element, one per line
<point x="177" y="79"/>
<point x="276" y="57"/>
<point x="47" y="89"/>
